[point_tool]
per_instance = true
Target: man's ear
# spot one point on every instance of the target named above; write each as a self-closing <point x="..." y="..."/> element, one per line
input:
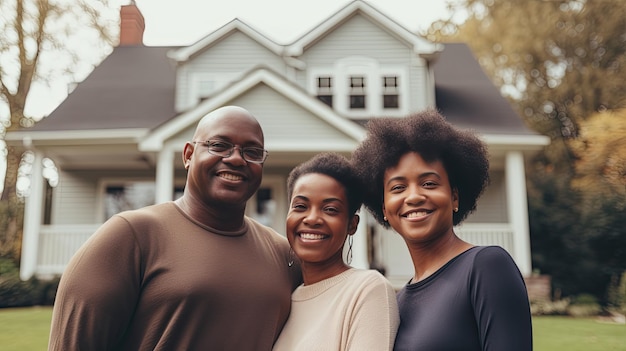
<point x="187" y="152"/>
<point x="354" y="223"/>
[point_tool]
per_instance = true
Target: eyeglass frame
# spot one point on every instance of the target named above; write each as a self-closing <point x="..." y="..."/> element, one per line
<point x="231" y="149"/>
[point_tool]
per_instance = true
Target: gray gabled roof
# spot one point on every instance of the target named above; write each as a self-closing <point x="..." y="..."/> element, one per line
<point x="467" y="98"/>
<point x="134" y="87"/>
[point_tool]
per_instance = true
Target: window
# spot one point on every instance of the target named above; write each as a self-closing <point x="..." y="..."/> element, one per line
<point x="324" y="90"/>
<point x="357" y="92"/>
<point x="390" y="92"/>
<point x="132" y="195"/>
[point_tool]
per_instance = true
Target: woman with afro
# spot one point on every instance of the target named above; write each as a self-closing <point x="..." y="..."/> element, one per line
<point x="422" y="178"/>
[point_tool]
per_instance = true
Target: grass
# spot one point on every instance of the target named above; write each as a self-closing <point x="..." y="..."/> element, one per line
<point x="26" y="329"/>
<point x="577" y="334"/>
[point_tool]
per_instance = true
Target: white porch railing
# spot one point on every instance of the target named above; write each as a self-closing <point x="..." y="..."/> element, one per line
<point x="397" y="261"/>
<point x="57" y="244"/>
<point x="487" y="234"/>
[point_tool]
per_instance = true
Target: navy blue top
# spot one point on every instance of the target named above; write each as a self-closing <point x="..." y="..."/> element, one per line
<point x="476" y="301"/>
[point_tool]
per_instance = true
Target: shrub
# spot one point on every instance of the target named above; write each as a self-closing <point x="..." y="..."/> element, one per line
<point x="15" y="292"/>
<point x="549" y="308"/>
<point x="584" y="305"/>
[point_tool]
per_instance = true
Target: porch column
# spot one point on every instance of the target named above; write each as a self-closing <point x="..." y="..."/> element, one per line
<point x="518" y="210"/>
<point x="33" y="204"/>
<point x="164" y="175"/>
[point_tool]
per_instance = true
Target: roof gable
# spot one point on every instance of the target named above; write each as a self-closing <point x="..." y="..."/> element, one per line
<point x="418" y="44"/>
<point x="185" y="53"/>
<point x="154" y="140"/>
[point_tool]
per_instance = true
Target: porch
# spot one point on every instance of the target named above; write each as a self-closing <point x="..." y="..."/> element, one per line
<point x="58" y="243"/>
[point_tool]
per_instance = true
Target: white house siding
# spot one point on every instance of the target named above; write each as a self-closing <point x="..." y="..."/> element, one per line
<point x="285" y="123"/>
<point x="492" y="205"/>
<point x="78" y="198"/>
<point x="361" y="39"/>
<point x="226" y="60"/>
<point x="74" y="198"/>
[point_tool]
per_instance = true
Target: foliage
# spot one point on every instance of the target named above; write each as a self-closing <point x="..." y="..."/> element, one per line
<point x="16" y="293"/>
<point x="42" y="41"/>
<point x="11" y="214"/>
<point x="561" y="62"/>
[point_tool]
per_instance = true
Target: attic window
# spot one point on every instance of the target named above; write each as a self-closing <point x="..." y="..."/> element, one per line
<point x="390" y="92"/>
<point x="324" y="90"/>
<point x="357" y="92"/>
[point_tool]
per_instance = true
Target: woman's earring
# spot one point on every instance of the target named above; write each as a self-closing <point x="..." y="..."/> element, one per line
<point x="349" y="258"/>
<point x="456" y="209"/>
<point x="385" y="218"/>
<point x="291" y="254"/>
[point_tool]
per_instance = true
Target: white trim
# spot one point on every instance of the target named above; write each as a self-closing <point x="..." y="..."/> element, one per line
<point x="33" y="211"/>
<point x="87" y="136"/>
<point x="185" y="53"/>
<point x="154" y="141"/>
<point x="517" y="141"/>
<point x="419" y="44"/>
<point x="518" y="210"/>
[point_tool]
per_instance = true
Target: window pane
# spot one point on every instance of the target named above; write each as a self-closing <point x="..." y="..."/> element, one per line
<point x="390" y="101"/>
<point x="324" y="82"/>
<point x="129" y="196"/>
<point x="327" y="99"/>
<point x="357" y="82"/>
<point x="390" y="82"/>
<point x="357" y="101"/>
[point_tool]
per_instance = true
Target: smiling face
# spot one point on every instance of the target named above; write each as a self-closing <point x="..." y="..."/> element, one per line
<point x="319" y="221"/>
<point x="418" y="200"/>
<point x="224" y="182"/>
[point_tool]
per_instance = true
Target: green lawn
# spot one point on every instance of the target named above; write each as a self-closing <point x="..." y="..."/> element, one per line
<point x="26" y="329"/>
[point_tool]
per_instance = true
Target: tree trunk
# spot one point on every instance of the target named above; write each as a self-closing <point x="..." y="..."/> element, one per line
<point x="11" y="210"/>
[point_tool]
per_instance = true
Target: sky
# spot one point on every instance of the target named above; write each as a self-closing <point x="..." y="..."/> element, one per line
<point x="184" y="22"/>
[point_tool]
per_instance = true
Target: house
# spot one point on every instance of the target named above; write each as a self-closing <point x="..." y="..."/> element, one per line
<point x="117" y="138"/>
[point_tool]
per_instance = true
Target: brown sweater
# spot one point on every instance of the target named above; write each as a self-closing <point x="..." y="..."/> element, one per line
<point x="153" y="279"/>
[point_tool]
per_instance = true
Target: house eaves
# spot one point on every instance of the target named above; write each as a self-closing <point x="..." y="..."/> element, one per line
<point x="75" y="137"/>
<point x="419" y="45"/>
<point x="516" y="142"/>
<point x="155" y="140"/>
<point x="185" y="53"/>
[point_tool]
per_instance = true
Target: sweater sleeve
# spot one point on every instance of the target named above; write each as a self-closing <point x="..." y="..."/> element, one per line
<point x="98" y="291"/>
<point x="500" y="299"/>
<point x="375" y="318"/>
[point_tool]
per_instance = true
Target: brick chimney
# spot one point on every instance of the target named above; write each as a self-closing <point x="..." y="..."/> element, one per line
<point x="132" y="25"/>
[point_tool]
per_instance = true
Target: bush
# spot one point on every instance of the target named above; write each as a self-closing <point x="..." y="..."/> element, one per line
<point x="15" y="292"/>
<point x="584" y="305"/>
<point x="549" y="308"/>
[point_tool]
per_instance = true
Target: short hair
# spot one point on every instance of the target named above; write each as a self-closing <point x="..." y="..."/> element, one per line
<point x="463" y="155"/>
<point x="335" y="166"/>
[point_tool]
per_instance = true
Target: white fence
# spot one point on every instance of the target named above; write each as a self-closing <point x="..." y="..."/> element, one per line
<point x="58" y="243"/>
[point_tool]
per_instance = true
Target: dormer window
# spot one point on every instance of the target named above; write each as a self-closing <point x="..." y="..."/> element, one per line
<point x="390" y="92"/>
<point x="324" y="90"/>
<point x="357" y="92"/>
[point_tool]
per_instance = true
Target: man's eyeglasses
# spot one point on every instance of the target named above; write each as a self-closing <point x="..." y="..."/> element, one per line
<point x="225" y="149"/>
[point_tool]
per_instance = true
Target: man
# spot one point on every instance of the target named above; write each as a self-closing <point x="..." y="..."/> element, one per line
<point x="194" y="274"/>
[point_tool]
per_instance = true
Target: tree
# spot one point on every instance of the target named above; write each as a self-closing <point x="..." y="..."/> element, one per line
<point x="42" y="41"/>
<point x="559" y="62"/>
